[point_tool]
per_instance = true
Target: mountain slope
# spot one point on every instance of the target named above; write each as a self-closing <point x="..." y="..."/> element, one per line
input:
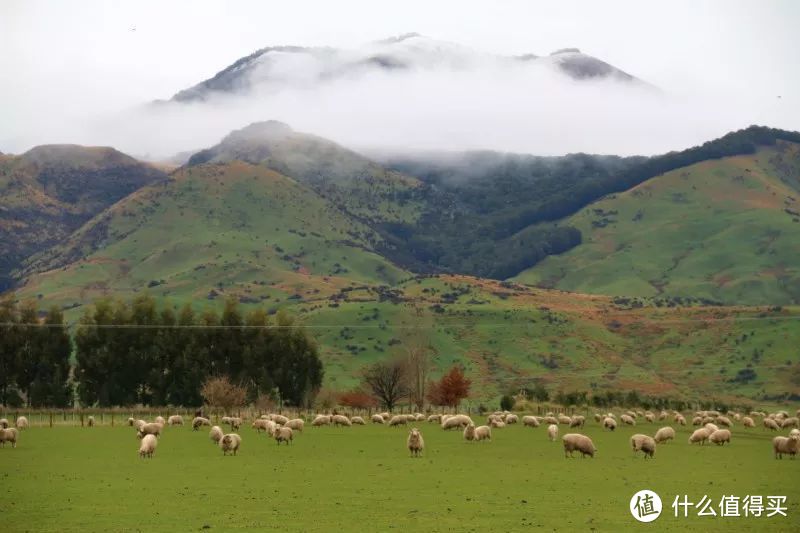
<point x="726" y="230"/>
<point x="50" y="191"/>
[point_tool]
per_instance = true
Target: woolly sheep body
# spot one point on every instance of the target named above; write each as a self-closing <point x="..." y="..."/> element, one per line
<point x="148" y="446"/>
<point x="786" y="445"/>
<point x="456" y="421"/>
<point x="357" y="420"/>
<point x="415" y="442"/>
<point x="469" y="432"/>
<point x="664" y="434"/>
<point x="297" y="424"/>
<point x="748" y="422"/>
<point x="769" y="423"/>
<point x="564" y="419"/>
<point x="577" y="442"/>
<point x="512" y="419"/>
<point x="398" y="420"/>
<point x="530" y="421"/>
<point x="723" y="421"/>
<point x="483" y="433"/>
<point x="90" y="421"/>
<point x="3" y="423"/>
<point x="610" y="424"/>
<point x="628" y="419"/>
<point x="283" y="434"/>
<point x="341" y="420"/>
<point x="323" y="420"/>
<point x="552" y="432"/>
<point x="550" y="420"/>
<point x="175" y="420"/>
<point x="22" y="423"/>
<point x="200" y="421"/>
<point x="577" y="421"/>
<point x="711" y="427"/>
<point x="497" y="423"/>
<point x="153" y="428"/>
<point x="230" y="443"/>
<point x="8" y="435"/>
<point x="260" y="424"/>
<point x="699" y="435"/>
<point x="160" y="420"/>
<point x="650" y="417"/>
<point x="377" y="419"/>
<point x="643" y="443"/>
<point x="720" y="437"/>
<point x="437" y="419"/>
<point x="791" y="422"/>
<point x="215" y="434"/>
<point x="279" y="419"/>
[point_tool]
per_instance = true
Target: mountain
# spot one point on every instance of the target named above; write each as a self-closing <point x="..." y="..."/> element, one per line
<point x="50" y="191"/>
<point x="280" y="67"/>
<point x="724" y="230"/>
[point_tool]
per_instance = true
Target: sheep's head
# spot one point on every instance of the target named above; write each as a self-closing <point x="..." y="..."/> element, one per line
<point x="139" y="435"/>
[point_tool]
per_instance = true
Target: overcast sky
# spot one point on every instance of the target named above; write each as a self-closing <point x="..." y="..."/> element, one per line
<point x="63" y="61"/>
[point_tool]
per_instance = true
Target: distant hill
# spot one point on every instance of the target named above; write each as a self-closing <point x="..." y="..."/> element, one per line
<point x="50" y="191"/>
<point x="725" y="230"/>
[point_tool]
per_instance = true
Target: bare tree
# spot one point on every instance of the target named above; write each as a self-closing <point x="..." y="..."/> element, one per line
<point x="387" y="381"/>
<point x="220" y="393"/>
<point x="416" y="344"/>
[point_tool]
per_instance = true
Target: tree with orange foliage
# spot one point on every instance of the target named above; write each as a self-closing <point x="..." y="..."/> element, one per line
<point x="451" y="389"/>
<point x="357" y="399"/>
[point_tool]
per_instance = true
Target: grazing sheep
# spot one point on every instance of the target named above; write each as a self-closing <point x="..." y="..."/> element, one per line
<point x="357" y="420"/>
<point x="259" y="424"/>
<point x="230" y="443"/>
<point x="398" y="420"/>
<point x="564" y="419"/>
<point x="3" y="423"/>
<point x="581" y="443"/>
<point x="435" y="419"/>
<point x="175" y="420"/>
<point x="456" y="421"/>
<point x="552" y="432"/>
<point x="160" y="420"/>
<point x="271" y="427"/>
<point x="497" y="423"/>
<point x="378" y="419"/>
<point x="512" y="419"/>
<point x="22" y="423"/>
<point x="720" y="437"/>
<point x="138" y="424"/>
<point x="627" y="419"/>
<point x="410" y="418"/>
<point x="419" y="417"/>
<point x="8" y="435"/>
<point x="643" y="443"/>
<point x="148" y="446"/>
<point x="131" y="422"/>
<point x="264" y="417"/>
<point x="791" y="422"/>
<point x="483" y="433"/>
<point x="550" y="420"/>
<point x="723" y="421"/>
<point x="697" y="421"/>
<point x="610" y="424"/>
<point x="598" y="417"/>
<point x="152" y="428"/>
<point x="680" y="420"/>
<point x="711" y="427"/>
<point x="771" y="424"/>
<point x="469" y="432"/>
<point x="748" y="422"/>
<point x="279" y="419"/>
<point x="699" y="435"/>
<point x="283" y="434"/>
<point x="386" y="416"/>
<point x="90" y="421"/>
<point x="530" y="421"/>
<point x="225" y="420"/>
<point x="650" y="417"/>
<point x="707" y="420"/>
<point x="664" y="434"/>
<point x="340" y="420"/>
<point x="297" y="424"/>
<point x="577" y="421"/>
<point x="415" y="443"/>
<point x="235" y="423"/>
<point x="325" y="420"/>
<point x="200" y="421"/>
<point x="662" y="416"/>
<point x="783" y="445"/>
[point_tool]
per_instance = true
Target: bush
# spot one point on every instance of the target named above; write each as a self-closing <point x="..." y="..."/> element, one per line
<point x="506" y="403"/>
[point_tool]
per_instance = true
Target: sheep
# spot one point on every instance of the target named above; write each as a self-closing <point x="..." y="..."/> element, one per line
<point x="259" y="424"/>
<point x="235" y="423"/>
<point x="283" y="434"/>
<point x="153" y="428"/>
<point x="457" y="421"/>
<point x="469" y="433"/>
<point x="643" y="443"/>
<point x="664" y="434"/>
<point x="398" y="420"/>
<point x="137" y="424"/>
<point x="724" y="421"/>
<point x="564" y="419"/>
<point x="419" y="417"/>
<point x="230" y="443"/>
<point x="598" y="417"/>
<point x="200" y="421"/>
<point x="271" y="426"/>
<point x="90" y="421"/>
<point x="662" y="416"/>
<point x="530" y="421"/>
<point x="697" y="421"/>
<point x="377" y="419"/>
<point x="279" y="419"/>
<point x="340" y="420"/>
<point x="711" y="427"/>
<point x="386" y="416"/>
<point x="131" y="421"/>
<point x="627" y="419"/>
<point x="552" y="432"/>
<point x="581" y="443"/>
<point x="410" y="418"/>
<point x="699" y="435"/>
<point x="707" y="420"/>
<point x="720" y="437"/>
<point x="794" y="432"/>
<point x="160" y="420"/>
<point x="512" y="419"/>
<point x="577" y="421"/>
<point x="610" y="424"/>
<point x="148" y="446"/>
<point x="22" y="423"/>
<point x="356" y="420"/>
<point x="483" y="433"/>
<point x="791" y="422"/>
<point x="415" y="443"/>
<point x="8" y="435"/>
<point x="748" y="422"/>
<point x="783" y="445"/>
<point x="680" y="419"/>
<point x="225" y="420"/>
<point x="771" y="424"/>
<point x="297" y="424"/>
<point x="175" y="420"/>
<point x="497" y="423"/>
<point x="325" y="420"/>
<point x="437" y="419"/>
<point x="3" y="423"/>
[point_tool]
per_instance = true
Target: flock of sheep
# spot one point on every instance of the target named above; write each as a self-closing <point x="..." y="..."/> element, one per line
<point x="714" y="428"/>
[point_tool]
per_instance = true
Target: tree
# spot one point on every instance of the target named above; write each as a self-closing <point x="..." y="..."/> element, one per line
<point x="9" y="346"/>
<point x="506" y="403"/>
<point x="387" y="381"/>
<point x="357" y="399"/>
<point x="416" y="344"/>
<point x="50" y="386"/>
<point x="220" y="393"/>
<point x="451" y="389"/>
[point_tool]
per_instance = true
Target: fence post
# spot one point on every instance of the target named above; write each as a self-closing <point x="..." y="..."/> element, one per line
<point x="51" y="419"/>
<point x="112" y="419"/>
<point x="81" y="419"/>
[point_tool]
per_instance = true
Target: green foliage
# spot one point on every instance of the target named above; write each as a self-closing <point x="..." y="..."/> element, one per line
<point x="506" y="402"/>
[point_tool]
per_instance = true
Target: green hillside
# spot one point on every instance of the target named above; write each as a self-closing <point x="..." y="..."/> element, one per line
<point x="214" y="230"/>
<point x="725" y="230"/>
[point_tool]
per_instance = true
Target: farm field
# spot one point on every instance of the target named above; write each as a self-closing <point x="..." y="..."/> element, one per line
<point x="362" y="479"/>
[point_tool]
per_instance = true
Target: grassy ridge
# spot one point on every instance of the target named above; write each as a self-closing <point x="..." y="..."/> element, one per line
<point x="349" y="479"/>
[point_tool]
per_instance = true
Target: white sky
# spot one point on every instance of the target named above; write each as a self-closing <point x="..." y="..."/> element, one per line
<point x="61" y="62"/>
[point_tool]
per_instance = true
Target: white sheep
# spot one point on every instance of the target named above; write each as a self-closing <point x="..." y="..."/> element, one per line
<point x="260" y="424"/>
<point x="664" y="434"/>
<point x="550" y="420"/>
<point x="552" y="432"/>
<point x="398" y="420"/>
<point x="577" y="442"/>
<point x="160" y="420"/>
<point x="577" y="421"/>
<point x="643" y="443"/>
<point x="200" y="421"/>
<point x="699" y="435"/>
<point x="22" y="423"/>
<point x="770" y="423"/>
<point x="148" y="446"/>
<point x="786" y="445"/>
<point x="748" y="422"/>
<point x="377" y="419"/>
<point x="530" y="421"/>
<point x="680" y="419"/>
<point x="131" y="421"/>
<point x="90" y="421"/>
<point x="321" y="420"/>
<point x="598" y="417"/>
<point x="283" y="434"/>
<point x="650" y="417"/>
<point x="215" y="434"/>
<point x="435" y="419"/>
<point x="419" y="417"/>
<point x="456" y="421"/>
<point x="483" y="433"/>
<point x="8" y="435"/>
<point x="386" y="416"/>
<point x="711" y="427"/>
<point x="415" y="442"/>
<point x="794" y="432"/>
<point x="279" y="419"/>
<point x="153" y="428"/>
<point x="340" y="420"/>
<point x="497" y="423"/>
<point x="512" y="419"/>
<point x="356" y="420"/>
<point x="791" y="422"/>
<point x="3" y="423"/>
<point x="609" y="423"/>
<point x="230" y="443"/>
<point x="628" y="419"/>
<point x="564" y="419"/>
<point x="723" y="421"/>
<point x="720" y="437"/>
<point x="297" y="424"/>
<point x="469" y="432"/>
<point x="175" y="420"/>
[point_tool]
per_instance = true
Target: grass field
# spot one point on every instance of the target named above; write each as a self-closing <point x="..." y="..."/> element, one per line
<point x="362" y="479"/>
